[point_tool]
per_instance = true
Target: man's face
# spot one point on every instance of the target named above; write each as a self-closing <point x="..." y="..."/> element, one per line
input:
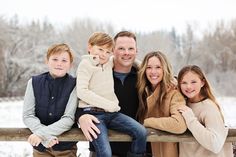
<point x="125" y="51"/>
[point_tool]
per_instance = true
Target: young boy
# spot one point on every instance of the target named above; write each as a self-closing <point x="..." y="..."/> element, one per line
<point x="95" y="89"/>
<point x="49" y="105"/>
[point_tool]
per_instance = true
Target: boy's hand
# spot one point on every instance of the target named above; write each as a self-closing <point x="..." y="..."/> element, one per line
<point x="34" y="140"/>
<point x="88" y="127"/>
<point x="52" y="143"/>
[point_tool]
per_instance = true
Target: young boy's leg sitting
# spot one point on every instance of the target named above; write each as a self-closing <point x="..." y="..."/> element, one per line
<point x="101" y="144"/>
<point x="119" y="122"/>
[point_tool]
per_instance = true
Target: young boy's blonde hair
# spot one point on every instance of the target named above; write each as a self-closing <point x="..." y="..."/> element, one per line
<point x="59" y="48"/>
<point x="101" y="39"/>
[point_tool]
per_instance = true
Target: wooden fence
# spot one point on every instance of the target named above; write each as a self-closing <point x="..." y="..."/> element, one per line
<point x="75" y="134"/>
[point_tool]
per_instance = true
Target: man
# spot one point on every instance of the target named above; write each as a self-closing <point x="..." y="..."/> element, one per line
<point x="125" y="78"/>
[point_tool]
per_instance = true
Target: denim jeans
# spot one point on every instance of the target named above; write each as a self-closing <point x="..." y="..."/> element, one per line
<point x="122" y="123"/>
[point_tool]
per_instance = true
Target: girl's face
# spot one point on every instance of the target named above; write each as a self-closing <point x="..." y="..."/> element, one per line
<point x="154" y="71"/>
<point x="59" y="64"/>
<point x="102" y="52"/>
<point x="191" y="86"/>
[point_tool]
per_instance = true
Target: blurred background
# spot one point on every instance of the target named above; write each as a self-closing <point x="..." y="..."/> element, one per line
<point x="199" y="32"/>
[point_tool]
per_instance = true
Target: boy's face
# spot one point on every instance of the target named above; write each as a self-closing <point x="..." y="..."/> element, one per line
<point x="59" y="64"/>
<point x="102" y="52"/>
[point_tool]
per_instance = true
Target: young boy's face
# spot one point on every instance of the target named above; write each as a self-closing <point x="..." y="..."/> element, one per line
<point x="102" y="52"/>
<point x="59" y="64"/>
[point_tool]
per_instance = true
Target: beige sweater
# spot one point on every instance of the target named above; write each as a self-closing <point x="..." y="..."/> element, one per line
<point x="207" y="127"/>
<point x="95" y="85"/>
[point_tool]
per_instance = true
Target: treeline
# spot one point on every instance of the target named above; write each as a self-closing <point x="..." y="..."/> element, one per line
<point x="23" y="48"/>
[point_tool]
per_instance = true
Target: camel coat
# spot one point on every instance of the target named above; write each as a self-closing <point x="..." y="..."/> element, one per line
<point x="165" y="117"/>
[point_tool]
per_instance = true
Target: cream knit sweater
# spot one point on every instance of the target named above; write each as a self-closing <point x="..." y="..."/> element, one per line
<point x="207" y="127"/>
<point x="95" y="84"/>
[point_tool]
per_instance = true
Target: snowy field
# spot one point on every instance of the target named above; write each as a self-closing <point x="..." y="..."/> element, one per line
<point x="11" y="116"/>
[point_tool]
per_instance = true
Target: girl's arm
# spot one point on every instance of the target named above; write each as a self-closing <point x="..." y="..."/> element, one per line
<point x="212" y="133"/>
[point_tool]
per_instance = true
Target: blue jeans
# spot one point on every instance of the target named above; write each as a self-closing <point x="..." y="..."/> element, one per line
<point x="122" y="123"/>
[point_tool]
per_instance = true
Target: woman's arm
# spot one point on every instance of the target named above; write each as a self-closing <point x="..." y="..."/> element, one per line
<point x="175" y="122"/>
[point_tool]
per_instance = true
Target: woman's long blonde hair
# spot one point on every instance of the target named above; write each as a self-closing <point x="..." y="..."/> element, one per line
<point x="145" y="87"/>
<point x="206" y="90"/>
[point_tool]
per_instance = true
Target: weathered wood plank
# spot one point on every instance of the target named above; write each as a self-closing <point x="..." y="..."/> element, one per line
<point x="21" y="134"/>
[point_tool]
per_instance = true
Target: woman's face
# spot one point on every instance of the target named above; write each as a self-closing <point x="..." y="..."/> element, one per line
<point x="191" y="86"/>
<point x="154" y="71"/>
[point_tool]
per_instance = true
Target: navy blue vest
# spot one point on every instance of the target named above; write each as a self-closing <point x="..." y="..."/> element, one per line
<point x="51" y="97"/>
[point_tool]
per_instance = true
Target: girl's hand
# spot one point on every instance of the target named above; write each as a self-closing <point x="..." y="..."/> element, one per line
<point x="186" y="111"/>
<point x="183" y="109"/>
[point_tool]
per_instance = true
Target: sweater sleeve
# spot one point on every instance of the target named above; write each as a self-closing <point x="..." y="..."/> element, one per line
<point x="29" y="118"/>
<point x="84" y="74"/>
<point x="175" y="122"/>
<point x="212" y="133"/>
<point x="62" y="125"/>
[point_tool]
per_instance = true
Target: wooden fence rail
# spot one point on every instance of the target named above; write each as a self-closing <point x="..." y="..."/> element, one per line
<point x="75" y="134"/>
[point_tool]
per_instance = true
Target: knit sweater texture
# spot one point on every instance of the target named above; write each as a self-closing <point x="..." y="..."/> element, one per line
<point x="95" y="84"/>
<point x="207" y="126"/>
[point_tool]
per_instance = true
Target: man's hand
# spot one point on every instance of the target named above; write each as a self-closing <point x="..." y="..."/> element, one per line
<point x="88" y="127"/>
<point x="34" y="140"/>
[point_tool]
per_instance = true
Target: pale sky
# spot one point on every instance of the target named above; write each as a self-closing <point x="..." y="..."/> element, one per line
<point x="136" y="15"/>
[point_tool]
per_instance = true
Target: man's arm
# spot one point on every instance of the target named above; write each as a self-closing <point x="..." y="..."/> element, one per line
<point x="88" y="127"/>
<point x="86" y="123"/>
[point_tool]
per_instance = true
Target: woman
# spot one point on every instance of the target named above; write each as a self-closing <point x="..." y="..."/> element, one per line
<point x="159" y="101"/>
<point x="203" y="117"/>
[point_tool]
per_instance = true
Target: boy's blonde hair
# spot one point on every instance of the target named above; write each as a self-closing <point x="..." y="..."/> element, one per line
<point x="101" y="39"/>
<point x="59" y="48"/>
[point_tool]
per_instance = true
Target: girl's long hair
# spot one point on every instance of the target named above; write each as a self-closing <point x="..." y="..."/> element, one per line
<point x="145" y="87"/>
<point x="206" y="90"/>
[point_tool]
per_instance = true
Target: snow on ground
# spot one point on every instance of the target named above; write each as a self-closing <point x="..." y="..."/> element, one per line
<point x="228" y="106"/>
<point x="11" y="116"/>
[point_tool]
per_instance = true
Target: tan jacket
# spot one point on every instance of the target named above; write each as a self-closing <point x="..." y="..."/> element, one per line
<point x="165" y="117"/>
